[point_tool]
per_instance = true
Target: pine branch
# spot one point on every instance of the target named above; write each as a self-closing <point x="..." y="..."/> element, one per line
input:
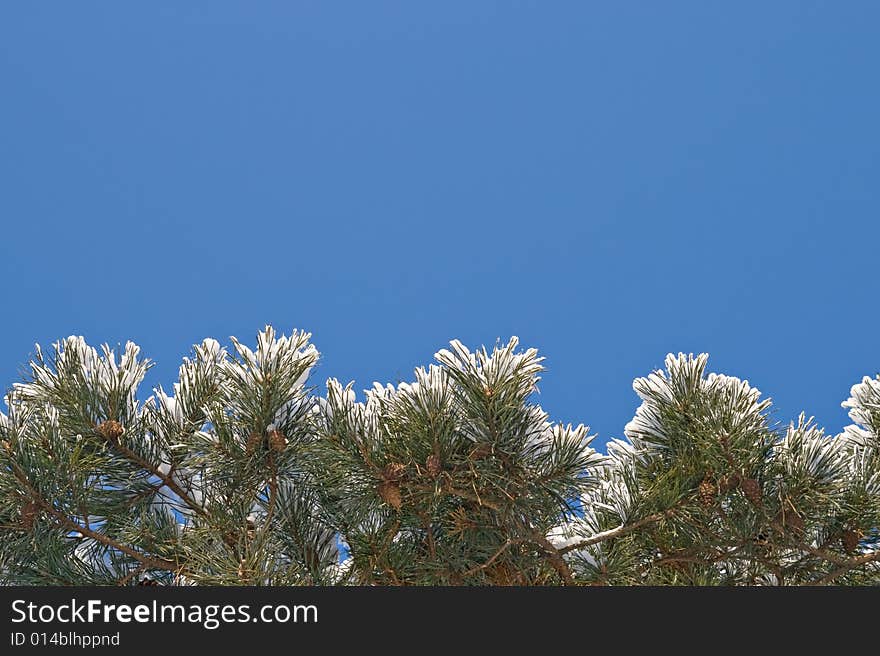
<point x="824" y="554"/>
<point x="504" y="547"/>
<point x="67" y="523"/>
<point x="555" y="558"/>
<point x="620" y="531"/>
<point x="454" y="478"/>
<point x="846" y="567"/>
<point x="125" y="580"/>
<point x="271" y="502"/>
<point x="167" y="480"/>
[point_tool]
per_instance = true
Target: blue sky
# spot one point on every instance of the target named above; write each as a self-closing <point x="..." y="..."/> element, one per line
<point x="608" y="181"/>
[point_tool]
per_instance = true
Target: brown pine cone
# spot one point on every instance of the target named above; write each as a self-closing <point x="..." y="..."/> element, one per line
<point x="706" y="492"/>
<point x="850" y="540"/>
<point x="111" y="430"/>
<point x="390" y="494"/>
<point x="730" y="482"/>
<point x="795" y="522"/>
<point x="393" y="472"/>
<point x="480" y="451"/>
<point x="254" y="441"/>
<point x="277" y="441"/>
<point x="433" y="465"/>
<point x="29" y="513"/>
<point x="789" y="521"/>
<point x="752" y="489"/>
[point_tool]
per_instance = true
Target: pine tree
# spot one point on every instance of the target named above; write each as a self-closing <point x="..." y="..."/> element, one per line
<point x="452" y="479"/>
<point x="704" y="492"/>
<point x="244" y="475"/>
<point x="205" y="486"/>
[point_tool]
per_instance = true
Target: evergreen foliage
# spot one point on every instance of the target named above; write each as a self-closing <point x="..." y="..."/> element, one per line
<point x="244" y="475"/>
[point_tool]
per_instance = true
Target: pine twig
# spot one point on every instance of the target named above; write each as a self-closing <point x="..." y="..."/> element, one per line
<point x="166" y="479"/>
<point x="462" y="494"/>
<point x="846" y="567"/>
<point x="128" y="577"/>
<point x="504" y="547"/>
<point x="69" y="524"/>
<point x="620" y="531"/>
<point x="554" y="555"/>
<point x="824" y="554"/>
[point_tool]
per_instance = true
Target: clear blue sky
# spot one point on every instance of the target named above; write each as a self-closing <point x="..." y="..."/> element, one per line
<point x="608" y="181"/>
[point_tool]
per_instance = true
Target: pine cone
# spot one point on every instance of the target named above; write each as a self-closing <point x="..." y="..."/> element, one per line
<point x="393" y="472"/>
<point x="254" y="441"/>
<point x="432" y="464"/>
<point x="731" y="482"/>
<point x="480" y="451"/>
<point x="29" y="513"/>
<point x="795" y="522"/>
<point x="850" y="540"/>
<point x="789" y="521"/>
<point x="390" y="494"/>
<point x="752" y="489"/>
<point x="277" y="441"/>
<point x="707" y="492"/>
<point x="231" y="537"/>
<point x="111" y="430"/>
